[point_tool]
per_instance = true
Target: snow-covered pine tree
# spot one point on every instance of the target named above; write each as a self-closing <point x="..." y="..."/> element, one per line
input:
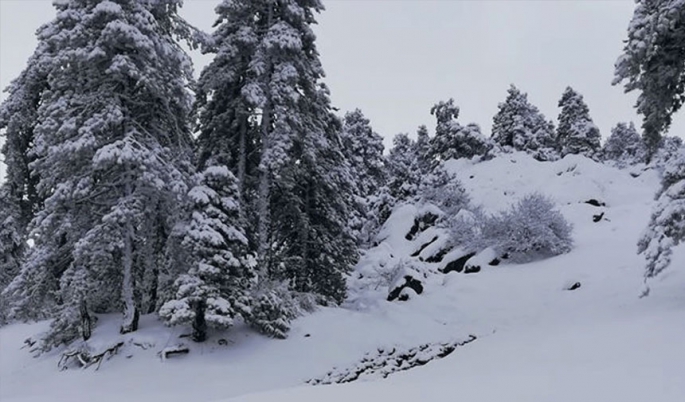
<point x="452" y="140"/>
<point x="624" y="145"/>
<point x="12" y="243"/>
<point x="228" y="114"/>
<point x="311" y="207"/>
<point x="216" y="287"/>
<point x="265" y="109"/>
<point x="576" y="133"/>
<point x="17" y="124"/>
<point x="423" y="149"/>
<point x="19" y="198"/>
<point x="111" y="147"/>
<point x="653" y="62"/>
<point x="519" y="125"/>
<point x="363" y="148"/>
<point x="363" y="151"/>
<point x="666" y="227"/>
<point x="404" y="175"/>
<point x="668" y="148"/>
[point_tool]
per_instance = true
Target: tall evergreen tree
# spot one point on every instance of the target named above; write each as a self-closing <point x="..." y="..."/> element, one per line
<point x="519" y="125"/>
<point x="363" y="148"/>
<point x="262" y="106"/>
<point x="452" y="140"/>
<point x="216" y="287"/>
<point x="653" y="62"/>
<point x="403" y="168"/>
<point x="111" y="147"/>
<point x="19" y="198"/>
<point x="18" y="117"/>
<point x="576" y="134"/>
<point x="423" y="149"/>
<point x="363" y="151"/>
<point x="624" y="145"/>
<point x="12" y="243"/>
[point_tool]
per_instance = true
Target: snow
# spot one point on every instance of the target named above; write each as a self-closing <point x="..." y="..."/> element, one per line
<point x="536" y="341"/>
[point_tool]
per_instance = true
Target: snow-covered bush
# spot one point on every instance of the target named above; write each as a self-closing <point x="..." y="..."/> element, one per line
<point x="466" y="228"/>
<point x="445" y="191"/>
<point x="274" y="306"/>
<point x="532" y="229"/>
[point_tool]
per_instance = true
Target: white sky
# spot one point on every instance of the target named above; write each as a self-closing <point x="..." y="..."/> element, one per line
<point x="395" y="59"/>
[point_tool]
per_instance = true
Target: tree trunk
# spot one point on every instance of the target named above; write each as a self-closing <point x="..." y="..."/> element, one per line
<point x="131" y="314"/>
<point x="264" y="184"/>
<point x="86" y="321"/>
<point x="199" y="323"/>
<point x="242" y="158"/>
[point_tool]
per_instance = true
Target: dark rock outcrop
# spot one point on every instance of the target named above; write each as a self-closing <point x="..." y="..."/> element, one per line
<point x="595" y="203"/>
<point x="409" y="282"/>
<point x="458" y="264"/>
<point x="421" y="223"/>
<point x="423" y="247"/>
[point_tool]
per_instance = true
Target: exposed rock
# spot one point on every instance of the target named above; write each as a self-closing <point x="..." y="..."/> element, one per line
<point x="597" y="218"/>
<point x="423" y="247"/>
<point x="409" y="282"/>
<point x="437" y="257"/>
<point x="421" y="223"/>
<point x="487" y="256"/>
<point x="595" y="203"/>
<point x="458" y="264"/>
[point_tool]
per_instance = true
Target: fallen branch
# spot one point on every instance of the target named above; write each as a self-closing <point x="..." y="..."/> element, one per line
<point x="85" y="358"/>
<point x="180" y="349"/>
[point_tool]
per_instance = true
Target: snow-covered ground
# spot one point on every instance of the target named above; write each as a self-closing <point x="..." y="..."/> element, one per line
<point x="535" y="341"/>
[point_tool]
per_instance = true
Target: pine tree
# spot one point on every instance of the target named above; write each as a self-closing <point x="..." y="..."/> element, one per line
<point x="111" y="146"/>
<point x="263" y="108"/>
<point x="624" y="145"/>
<point x="19" y="198"/>
<point x="363" y="148"/>
<point x="17" y="124"/>
<point x="519" y="125"/>
<point x="452" y="140"/>
<point x="666" y="228"/>
<point x="576" y="134"/>
<point x="668" y="148"/>
<point x="12" y="243"/>
<point x="403" y="168"/>
<point x="423" y="149"/>
<point x="363" y="151"/>
<point x="653" y="62"/>
<point x="216" y="287"/>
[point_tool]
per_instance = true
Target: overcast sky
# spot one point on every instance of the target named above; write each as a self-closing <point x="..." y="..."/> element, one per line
<point x="395" y="59"/>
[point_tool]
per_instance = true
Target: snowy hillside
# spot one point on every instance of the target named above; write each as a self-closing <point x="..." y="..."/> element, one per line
<point x="534" y="339"/>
